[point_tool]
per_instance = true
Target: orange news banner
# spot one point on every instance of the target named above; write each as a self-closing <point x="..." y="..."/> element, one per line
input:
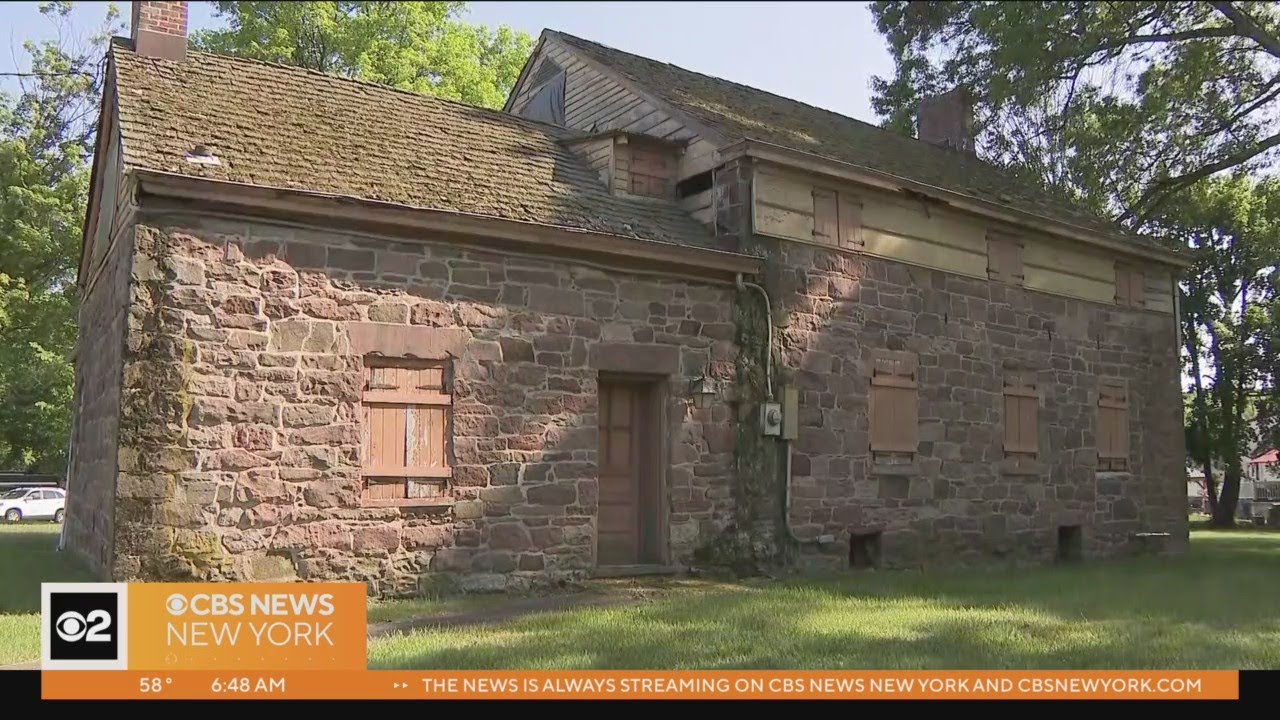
<point x="263" y="626"/>
<point x="640" y="685"/>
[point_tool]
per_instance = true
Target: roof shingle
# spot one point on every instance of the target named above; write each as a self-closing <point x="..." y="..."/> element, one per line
<point x="286" y="127"/>
<point x="742" y="112"/>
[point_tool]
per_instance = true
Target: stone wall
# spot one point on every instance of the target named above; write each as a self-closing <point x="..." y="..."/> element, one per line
<point x="91" y="484"/>
<point x="243" y="449"/>
<point x="957" y="503"/>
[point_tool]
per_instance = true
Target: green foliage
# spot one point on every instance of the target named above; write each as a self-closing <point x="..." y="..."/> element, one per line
<point x="1231" y="226"/>
<point x="46" y="142"/>
<point x="420" y="46"/>
<point x="1123" y="104"/>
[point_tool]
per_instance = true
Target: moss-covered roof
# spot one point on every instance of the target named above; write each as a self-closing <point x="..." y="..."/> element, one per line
<point x="286" y="127"/>
<point x="741" y="112"/>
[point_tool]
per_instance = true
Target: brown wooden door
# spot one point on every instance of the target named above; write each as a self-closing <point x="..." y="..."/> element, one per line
<point x="628" y="524"/>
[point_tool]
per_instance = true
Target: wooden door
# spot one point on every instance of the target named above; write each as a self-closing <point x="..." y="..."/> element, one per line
<point x="628" y="525"/>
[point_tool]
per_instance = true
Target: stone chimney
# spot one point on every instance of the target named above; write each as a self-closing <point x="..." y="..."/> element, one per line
<point x="947" y="120"/>
<point x="160" y="29"/>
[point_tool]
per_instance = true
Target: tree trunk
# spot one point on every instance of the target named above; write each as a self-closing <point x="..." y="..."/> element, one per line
<point x="1224" y="515"/>
<point x="1210" y="488"/>
<point x="1202" y="417"/>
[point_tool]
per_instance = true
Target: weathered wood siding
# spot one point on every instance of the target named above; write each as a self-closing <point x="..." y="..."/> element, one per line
<point x="595" y="102"/>
<point x="112" y="195"/>
<point x="1159" y="290"/>
<point x="700" y="206"/>
<point x="598" y="153"/>
<point x="1067" y="269"/>
<point x="928" y="235"/>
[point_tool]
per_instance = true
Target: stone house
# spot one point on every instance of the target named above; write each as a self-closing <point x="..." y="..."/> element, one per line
<point x="641" y="320"/>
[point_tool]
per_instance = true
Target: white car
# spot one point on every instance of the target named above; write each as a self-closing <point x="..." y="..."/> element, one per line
<point x="33" y="503"/>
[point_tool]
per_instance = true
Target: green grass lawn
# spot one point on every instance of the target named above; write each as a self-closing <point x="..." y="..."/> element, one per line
<point x="1212" y="609"/>
<point x="28" y="557"/>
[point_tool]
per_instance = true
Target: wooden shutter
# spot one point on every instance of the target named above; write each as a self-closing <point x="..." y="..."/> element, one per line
<point x="1122" y="285"/>
<point x="1131" y="286"/>
<point x="650" y="169"/>
<point x="1021" y="415"/>
<point x="1137" y="288"/>
<point x="895" y="425"/>
<point x="850" y="216"/>
<point x="1004" y="259"/>
<point x="826" y="217"/>
<point x="1113" y="427"/>
<point x="407" y="417"/>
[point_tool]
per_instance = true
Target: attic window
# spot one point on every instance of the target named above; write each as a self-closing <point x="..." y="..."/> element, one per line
<point x="694" y="184"/>
<point x="643" y="168"/>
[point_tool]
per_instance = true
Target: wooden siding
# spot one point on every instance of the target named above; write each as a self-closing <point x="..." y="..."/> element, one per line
<point x="699" y="156"/>
<point x="1159" y="289"/>
<point x="925" y="234"/>
<point x="112" y="196"/>
<point x="1072" y="270"/>
<point x="598" y="152"/>
<point x="596" y="102"/>
<point x="904" y="231"/>
<point x="701" y="206"/>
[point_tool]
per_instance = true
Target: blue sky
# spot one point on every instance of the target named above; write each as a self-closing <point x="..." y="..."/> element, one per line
<point x="822" y="53"/>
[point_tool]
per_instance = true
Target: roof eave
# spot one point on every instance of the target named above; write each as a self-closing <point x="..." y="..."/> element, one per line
<point x="349" y="212"/>
<point x="627" y="135"/>
<point x="824" y="165"/>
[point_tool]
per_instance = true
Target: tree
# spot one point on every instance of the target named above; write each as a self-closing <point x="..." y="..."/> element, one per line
<point x="419" y="46"/>
<point x="1232" y="228"/>
<point x="46" y="141"/>
<point x="1123" y="104"/>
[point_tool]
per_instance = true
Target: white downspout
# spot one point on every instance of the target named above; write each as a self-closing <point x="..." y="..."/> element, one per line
<point x="768" y="317"/>
<point x="786" y="444"/>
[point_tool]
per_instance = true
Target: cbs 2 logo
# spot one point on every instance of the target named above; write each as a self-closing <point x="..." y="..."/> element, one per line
<point x="71" y="626"/>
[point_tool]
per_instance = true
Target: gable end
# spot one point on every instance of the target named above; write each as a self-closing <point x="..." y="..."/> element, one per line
<point x="597" y="100"/>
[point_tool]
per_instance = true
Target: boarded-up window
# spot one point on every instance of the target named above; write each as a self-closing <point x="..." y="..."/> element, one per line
<point x="837" y="218"/>
<point x="1131" y="286"/>
<point x="826" y="217"/>
<point x="407" y="427"/>
<point x="650" y="168"/>
<point x="895" y="426"/>
<point x="1004" y="259"/>
<point x="1113" y="426"/>
<point x="1021" y="417"/>
<point x="850" y="221"/>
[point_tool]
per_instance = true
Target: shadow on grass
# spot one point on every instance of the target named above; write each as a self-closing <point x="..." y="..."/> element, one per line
<point x="29" y="557"/>
<point x="1210" y="609"/>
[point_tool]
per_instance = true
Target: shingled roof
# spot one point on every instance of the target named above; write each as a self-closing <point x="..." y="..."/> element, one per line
<point x="742" y="112"/>
<point x="278" y="126"/>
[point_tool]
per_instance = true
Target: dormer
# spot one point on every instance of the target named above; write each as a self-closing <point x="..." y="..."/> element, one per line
<point x="631" y="163"/>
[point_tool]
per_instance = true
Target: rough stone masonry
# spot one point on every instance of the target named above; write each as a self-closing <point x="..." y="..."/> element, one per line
<point x="239" y="432"/>
<point x="240" y="441"/>
<point x="959" y="501"/>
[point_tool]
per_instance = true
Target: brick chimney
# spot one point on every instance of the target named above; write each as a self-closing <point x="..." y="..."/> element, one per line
<point x="947" y="120"/>
<point x="160" y="29"/>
